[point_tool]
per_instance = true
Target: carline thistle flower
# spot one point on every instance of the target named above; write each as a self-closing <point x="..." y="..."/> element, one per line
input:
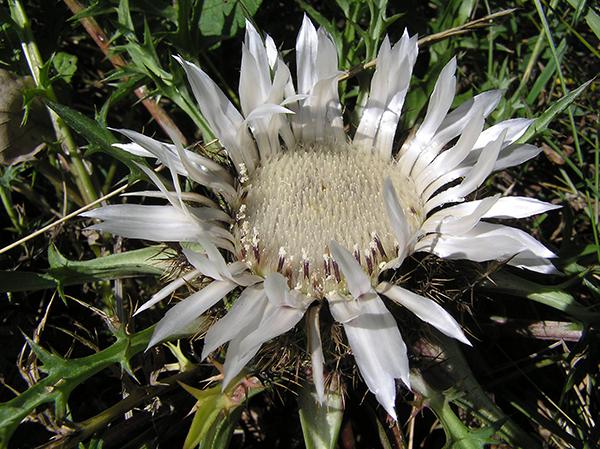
<point x="308" y="216"/>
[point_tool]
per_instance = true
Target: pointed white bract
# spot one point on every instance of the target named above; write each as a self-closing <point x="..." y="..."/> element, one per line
<point x="380" y="116"/>
<point x="376" y="343"/>
<point x="182" y="314"/>
<point x="315" y="349"/>
<point x="319" y="115"/>
<point x="426" y="309"/>
<point x="284" y="309"/>
<point x="302" y="213"/>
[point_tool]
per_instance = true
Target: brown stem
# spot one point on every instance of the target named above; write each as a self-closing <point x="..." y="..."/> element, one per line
<point x="398" y="437"/>
<point x="98" y="35"/>
<point x="347" y="439"/>
<point x="540" y="330"/>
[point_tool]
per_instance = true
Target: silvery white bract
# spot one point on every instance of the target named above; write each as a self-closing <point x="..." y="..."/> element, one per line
<point x="308" y="216"/>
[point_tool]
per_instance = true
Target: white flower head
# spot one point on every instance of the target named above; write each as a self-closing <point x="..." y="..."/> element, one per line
<point x="314" y="215"/>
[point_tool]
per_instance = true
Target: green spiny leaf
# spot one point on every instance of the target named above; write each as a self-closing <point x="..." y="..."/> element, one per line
<point x="152" y="260"/>
<point x="98" y="137"/>
<point x="63" y="376"/>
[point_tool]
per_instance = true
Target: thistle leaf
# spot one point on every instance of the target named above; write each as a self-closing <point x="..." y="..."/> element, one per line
<point x="320" y="422"/>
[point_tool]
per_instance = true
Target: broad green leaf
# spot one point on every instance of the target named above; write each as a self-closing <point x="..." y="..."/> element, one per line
<point x="542" y="122"/>
<point x="85" y="126"/>
<point x="320" y="422"/>
<point x="593" y="21"/>
<point x="219" y="18"/>
<point x="151" y="260"/>
<point x="551" y="295"/>
<point x="65" y="65"/>
<point x="63" y="375"/>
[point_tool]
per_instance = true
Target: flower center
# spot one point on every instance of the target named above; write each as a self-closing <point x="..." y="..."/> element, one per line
<point x="301" y="199"/>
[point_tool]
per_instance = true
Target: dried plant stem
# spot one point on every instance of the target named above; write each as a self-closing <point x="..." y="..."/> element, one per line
<point x="540" y="330"/>
<point x="99" y="36"/>
<point x="65" y="218"/>
<point x="433" y="38"/>
<point x="63" y="134"/>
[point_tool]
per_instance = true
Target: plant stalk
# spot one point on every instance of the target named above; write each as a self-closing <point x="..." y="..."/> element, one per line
<point x="10" y="209"/>
<point x="63" y="134"/>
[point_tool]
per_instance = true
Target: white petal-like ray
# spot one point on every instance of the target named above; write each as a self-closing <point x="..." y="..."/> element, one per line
<point x="479" y="173"/>
<point x="440" y="101"/>
<point x="426" y="309"/>
<point x="246" y="310"/>
<point x="307" y="45"/>
<point x="378" y="347"/>
<point x="456" y="120"/>
<point x="255" y="79"/>
<point x="487" y="241"/>
<point x="133" y="148"/>
<point x="204" y="265"/>
<point x="439" y="104"/>
<point x="444" y="222"/>
<point x="321" y="113"/>
<point x="507" y="207"/>
<point x="530" y="261"/>
<point x="186" y="163"/>
<point x="182" y="314"/>
<point x="451" y="158"/>
<point x="514" y="129"/>
<point x="382" y="112"/>
<point x="155" y="223"/>
<point x="223" y="117"/>
<point x="516" y="155"/>
<point x="272" y="52"/>
<point x="168" y="289"/>
<point x="285" y="309"/>
<point x="396" y="217"/>
<point x="327" y="60"/>
<point x="319" y="116"/>
<point x="357" y="281"/>
<point x="454" y="124"/>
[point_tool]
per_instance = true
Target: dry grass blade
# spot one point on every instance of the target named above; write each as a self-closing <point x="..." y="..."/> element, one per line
<point x="442" y="35"/>
<point x="64" y="219"/>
